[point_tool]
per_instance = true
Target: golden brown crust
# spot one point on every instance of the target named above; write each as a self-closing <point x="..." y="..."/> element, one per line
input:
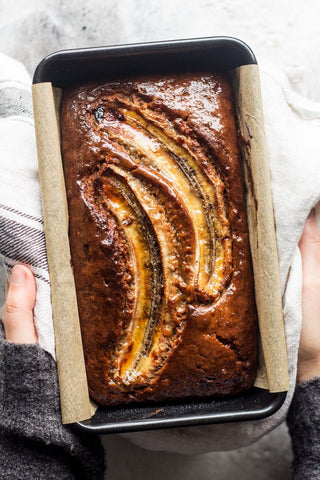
<point x="158" y="237"/>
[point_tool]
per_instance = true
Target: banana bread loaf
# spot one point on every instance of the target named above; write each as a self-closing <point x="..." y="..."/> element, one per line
<point x="158" y="237"/>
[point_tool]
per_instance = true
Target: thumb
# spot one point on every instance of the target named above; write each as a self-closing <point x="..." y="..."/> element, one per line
<point x="310" y="250"/>
<point x="17" y="312"/>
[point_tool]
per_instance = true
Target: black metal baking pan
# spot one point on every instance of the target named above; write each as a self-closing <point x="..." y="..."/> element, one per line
<point x="206" y="54"/>
<point x="73" y="66"/>
<point x="254" y="404"/>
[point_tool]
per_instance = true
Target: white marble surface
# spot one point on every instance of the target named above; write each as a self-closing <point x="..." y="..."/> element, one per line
<point x="282" y="32"/>
<point x="267" y="459"/>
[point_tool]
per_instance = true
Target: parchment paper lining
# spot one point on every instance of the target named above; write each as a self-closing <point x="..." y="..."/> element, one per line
<point x="273" y="369"/>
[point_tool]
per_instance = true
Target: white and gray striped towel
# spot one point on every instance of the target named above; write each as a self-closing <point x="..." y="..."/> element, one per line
<point x="21" y="225"/>
<point x="293" y="132"/>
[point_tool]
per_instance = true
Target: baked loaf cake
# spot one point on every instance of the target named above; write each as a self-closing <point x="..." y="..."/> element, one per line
<point x="158" y="237"/>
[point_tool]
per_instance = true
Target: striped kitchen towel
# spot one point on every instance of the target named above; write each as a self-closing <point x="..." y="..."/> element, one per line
<point x="21" y="225"/>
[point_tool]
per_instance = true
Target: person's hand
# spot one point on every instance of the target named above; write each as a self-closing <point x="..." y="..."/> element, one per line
<point x="17" y="312"/>
<point x="309" y="348"/>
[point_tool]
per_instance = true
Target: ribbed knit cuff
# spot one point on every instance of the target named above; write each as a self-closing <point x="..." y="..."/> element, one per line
<point x="30" y="420"/>
<point x="304" y="425"/>
<point x="28" y="388"/>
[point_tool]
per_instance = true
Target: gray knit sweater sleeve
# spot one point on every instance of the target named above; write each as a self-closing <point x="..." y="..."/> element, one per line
<point x="33" y="442"/>
<point x="304" y="425"/>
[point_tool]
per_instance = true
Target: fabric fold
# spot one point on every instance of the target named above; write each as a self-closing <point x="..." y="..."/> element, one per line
<point x="21" y="224"/>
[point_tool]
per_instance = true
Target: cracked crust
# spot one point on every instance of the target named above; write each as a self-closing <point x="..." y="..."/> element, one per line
<point x="159" y="239"/>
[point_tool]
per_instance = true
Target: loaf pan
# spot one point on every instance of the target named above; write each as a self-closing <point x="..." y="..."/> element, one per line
<point x="207" y="54"/>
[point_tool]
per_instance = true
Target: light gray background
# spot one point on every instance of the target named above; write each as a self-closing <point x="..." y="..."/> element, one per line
<point x="282" y="32"/>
